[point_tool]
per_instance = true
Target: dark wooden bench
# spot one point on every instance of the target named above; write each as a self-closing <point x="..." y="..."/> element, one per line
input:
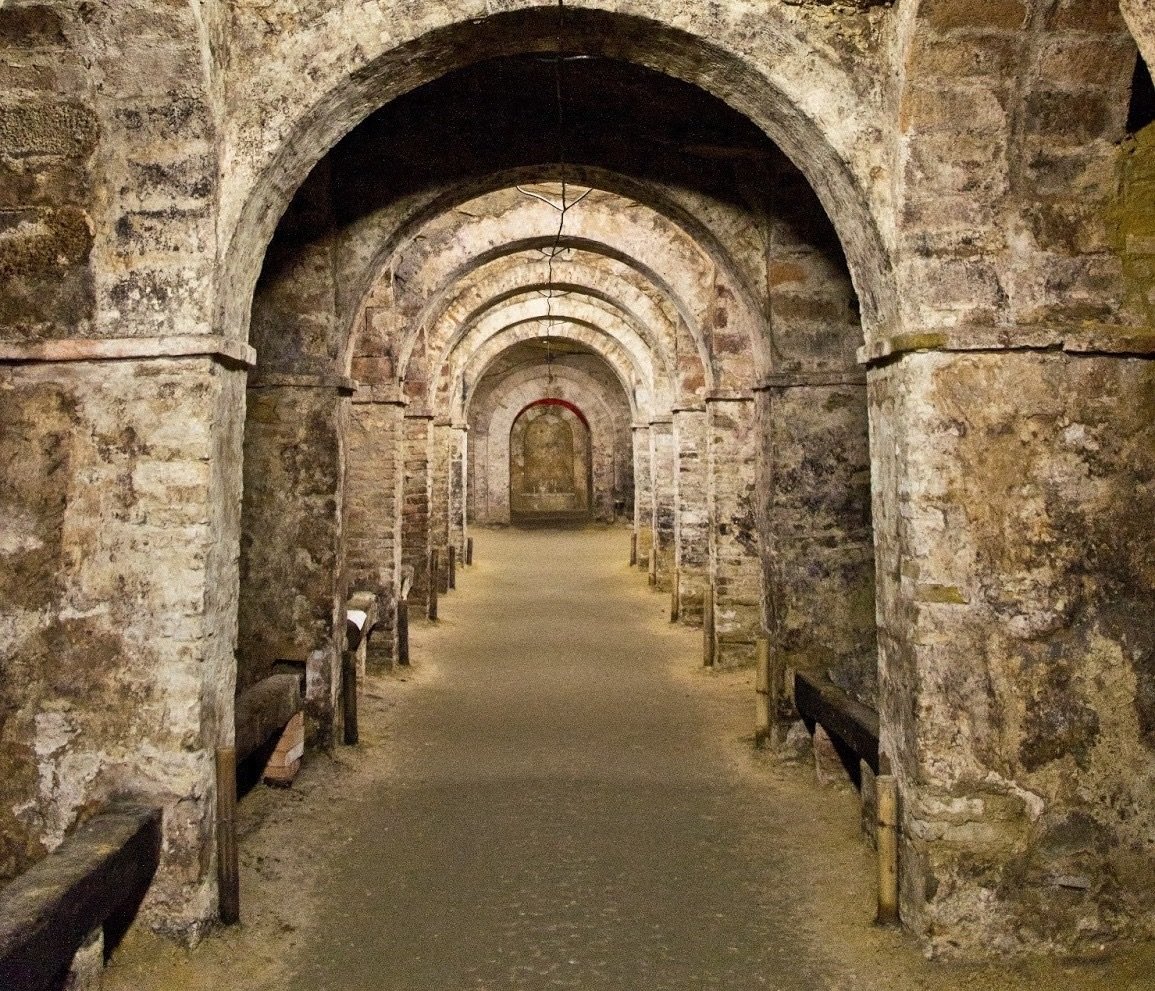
<point x="819" y="700"/>
<point x="96" y="877"/>
<point x="264" y="709"/>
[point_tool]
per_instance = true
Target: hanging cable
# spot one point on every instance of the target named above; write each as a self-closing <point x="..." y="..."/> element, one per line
<point x="554" y="249"/>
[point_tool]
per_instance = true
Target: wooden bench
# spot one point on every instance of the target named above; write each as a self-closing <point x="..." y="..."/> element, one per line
<point x="819" y="700"/>
<point x="96" y="877"/>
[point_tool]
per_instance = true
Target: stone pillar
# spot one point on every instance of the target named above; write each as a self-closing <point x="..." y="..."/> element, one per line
<point x="1013" y="500"/>
<point x="662" y="468"/>
<point x="458" y="488"/>
<point x="374" y="479"/>
<point x="813" y="512"/>
<point x="643" y="494"/>
<point x="293" y="591"/>
<point x="691" y="515"/>
<point x="735" y="567"/>
<point x="477" y="493"/>
<point x="120" y="494"/>
<point x="415" y="507"/>
<point x="444" y="441"/>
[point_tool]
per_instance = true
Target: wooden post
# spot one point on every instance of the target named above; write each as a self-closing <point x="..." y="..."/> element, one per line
<point x="708" y="627"/>
<point x="452" y="566"/>
<point x="403" y="632"/>
<point x="469" y="551"/>
<point x="228" y="870"/>
<point x="886" y="789"/>
<point x="434" y="578"/>
<point x="349" y="696"/>
<point x="633" y="550"/>
<point x="764" y="701"/>
<point x="675" y="594"/>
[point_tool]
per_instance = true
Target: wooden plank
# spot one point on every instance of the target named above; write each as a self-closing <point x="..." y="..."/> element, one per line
<point x="264" y="709"/>
<point x="47" y="913"/>
<point x="819" y="700"/>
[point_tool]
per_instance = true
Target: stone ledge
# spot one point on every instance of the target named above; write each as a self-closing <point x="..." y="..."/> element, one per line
<point x="730" y="396"/>
<point x="225" y="350"/>
<point x="275" y="381"/>
<point x="1095" y="339"/>
<point x="380" y="395"/>
<point x="802" y="380"/>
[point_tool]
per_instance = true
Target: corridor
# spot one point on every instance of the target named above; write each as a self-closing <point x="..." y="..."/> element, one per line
<point x="558" y="796"/>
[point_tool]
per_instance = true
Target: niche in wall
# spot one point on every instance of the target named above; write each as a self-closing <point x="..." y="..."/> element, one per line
<point x="549" y="462"/>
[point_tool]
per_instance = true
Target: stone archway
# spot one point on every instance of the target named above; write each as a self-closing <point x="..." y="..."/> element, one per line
<point x="550" y="463"/>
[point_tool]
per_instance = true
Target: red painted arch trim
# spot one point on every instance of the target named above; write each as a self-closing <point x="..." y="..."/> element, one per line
<point x="555" y="402"/>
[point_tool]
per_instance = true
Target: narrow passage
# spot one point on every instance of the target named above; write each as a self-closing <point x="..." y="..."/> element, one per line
<point x="559" y="814"/>
<point x="557" y="795"/>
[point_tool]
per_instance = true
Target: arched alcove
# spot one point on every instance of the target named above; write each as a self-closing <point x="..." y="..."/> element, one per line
<point x="550" y="464"/>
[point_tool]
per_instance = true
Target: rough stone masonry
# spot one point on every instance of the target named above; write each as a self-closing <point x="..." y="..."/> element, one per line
<point x="854" y="301"/>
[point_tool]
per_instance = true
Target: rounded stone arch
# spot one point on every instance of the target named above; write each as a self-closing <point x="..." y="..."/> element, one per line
<point x="736" y="367"/>
<point x="639" y="304"/>
<point x="490" y="429"/>
<point x="388" y="235"/>
<point x="802" y="99"/>
<point x="458" y="368"/>
<point x="632" y="380"/>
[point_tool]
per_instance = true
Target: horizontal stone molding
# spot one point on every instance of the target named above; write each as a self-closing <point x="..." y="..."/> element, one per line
<point x="802" y="380"/>
<point x="337" y="382"/>
<point x="1095" y="339"/>
<point x="729" y="396"/>
<point x="697" y="408"/>
<point x="376" y="395"/>
<point x="222" y="349"/>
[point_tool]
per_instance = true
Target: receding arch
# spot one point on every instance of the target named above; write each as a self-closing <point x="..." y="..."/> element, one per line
<point x="817" y="118"/>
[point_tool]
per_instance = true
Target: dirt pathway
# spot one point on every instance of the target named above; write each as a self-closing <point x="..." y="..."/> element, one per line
<point x="557" y="796"/>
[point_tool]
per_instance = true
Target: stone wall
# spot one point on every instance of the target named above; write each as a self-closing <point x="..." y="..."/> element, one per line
<point x="119" y="537"/>
<point x="549" y="463"/>
<point x="814" y="521"/>
<point x="1016" y="642"/>
<point x="373" y="491"/>
<point x="293" y="587"/>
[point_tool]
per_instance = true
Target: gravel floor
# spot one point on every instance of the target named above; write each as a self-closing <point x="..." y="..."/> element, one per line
<point x="558" y="796"/>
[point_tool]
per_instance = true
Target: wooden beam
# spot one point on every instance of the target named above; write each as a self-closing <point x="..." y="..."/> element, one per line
<point x="49" y="911"/>
<point x="819" y="700"/>
<point x="264" y="709"/>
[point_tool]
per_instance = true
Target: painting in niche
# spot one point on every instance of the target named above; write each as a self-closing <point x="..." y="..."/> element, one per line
<point x="549" y="470"/>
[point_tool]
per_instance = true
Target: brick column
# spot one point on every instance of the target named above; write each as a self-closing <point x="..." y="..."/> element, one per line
<point x="643" y="494"/>
<point x="444" y="441"/>
<point x="374" y="479"/>
<point x="415" y="506"/>
<point x="663" y="517"/>
<point x="1013" y="501"/>
<point x="120" y="489"/>
<point x="458" y="488"/>
<point x="735" y="567"/>
<point x="691" y="514"/>
<point x="293" y="592"/>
